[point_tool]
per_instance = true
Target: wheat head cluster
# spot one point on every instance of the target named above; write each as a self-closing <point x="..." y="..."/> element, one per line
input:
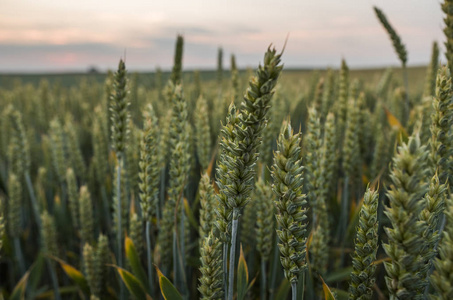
<point x="243" y="185"/>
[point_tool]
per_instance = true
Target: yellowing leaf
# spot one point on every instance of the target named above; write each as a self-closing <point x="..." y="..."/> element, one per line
<point x="74" y="274"/>
<point x="283" y="290"/>
<point x="132" y="283"/>
<point x="190" y="215"/>
<point x="134" y="261"/>
<point x="211" y="163"/>
<point x="380" y="261"/>
<point x="19" y="290"/>
<point x="327" y="292"/>
<point x="168" y="290"/>
<point x="242" y="276"/>
<point x="394" y="123"/>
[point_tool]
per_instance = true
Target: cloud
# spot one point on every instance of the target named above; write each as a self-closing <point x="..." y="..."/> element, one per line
<point x="49" y="35"/>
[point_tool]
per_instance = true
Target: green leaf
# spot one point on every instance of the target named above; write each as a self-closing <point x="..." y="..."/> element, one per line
<point x="341" y="295"/>
<point x="132" y="283"/>
<point x="74" y="274"/>
<point x="36" y="276"/>
<point x="64" y="290"/>
<point x="190" y="215"/>
<point x="283" y="290"/>
<point x="339" y="275"/>
<point x="134" y="261"/>
<point x="242" y="276"/>
<point x="327" y="292"/>
<point x="19" y="290"/>
<point x="168" y="290"/>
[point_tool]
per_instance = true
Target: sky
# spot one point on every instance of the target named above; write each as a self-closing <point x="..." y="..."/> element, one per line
<point x="55" y="35"/>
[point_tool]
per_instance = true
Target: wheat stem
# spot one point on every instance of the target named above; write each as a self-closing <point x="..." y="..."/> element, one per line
<point x="294" y="290"/>
<point x="53" y="277"/>
<point x="119" y="215"/>
<point x="149" y="256"/>
<point x="34" y="202"/>
<point x="234" y="232"/>
<point x="225" y="269"/>
<point x="263" y="280"/>
<point x="19" y="255"/>
<point x="275" y="260"/>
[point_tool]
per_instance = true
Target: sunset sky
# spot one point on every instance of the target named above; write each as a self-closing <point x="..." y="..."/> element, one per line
<point x="50" y="35"/>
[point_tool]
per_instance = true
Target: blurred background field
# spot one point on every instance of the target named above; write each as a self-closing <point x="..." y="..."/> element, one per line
<point x="290" y="76"/>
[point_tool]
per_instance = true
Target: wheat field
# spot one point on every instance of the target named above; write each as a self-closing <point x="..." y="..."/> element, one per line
<point x="265" y="183"/>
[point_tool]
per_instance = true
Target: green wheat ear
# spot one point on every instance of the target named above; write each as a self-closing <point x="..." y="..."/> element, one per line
<point x="73" y="197"/>
<point x="447" y="7"/>
<point x="101" y="268"/>
<point x="442" y="277"/>
<point x="49" y="234"/>
<point x="75" y="154"/>
<point x="86" y="215"/>
<point x="149" y="165"/>
<point x="219" y="67"/>
<point x="440" y="127"/>
<point x="342" y="101"/>
<point x="430" y="83"/>
<point x="89" y="258"/>
<point x="20" y="141"/>
<point x="264" y="206"/>
<point x="124" y="208"/>
<point x="235" y="80"/>
<point x="207" y="206"/>
<point x="94" y="264"/>
<point x="176" y="73"/>
<point x="404" y="247"/>
<point x="119" y="112"/>
<point x="136" y="232"/>
<point x="211" y="268"/>
<point x="366" y="245"/>
<point x="430" y="217"/>
<point x="14" y="206"/>
<point x="396" y="40"/>
<point x="291" y="214"/>
<point x="202" y="133"/>
<point x="57" y="148"/>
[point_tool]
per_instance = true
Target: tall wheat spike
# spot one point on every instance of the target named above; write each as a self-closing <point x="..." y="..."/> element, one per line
<point x="86" y="215"/>
<point x="430" y="84"/>
<point x="447" y="7"/>
<point x="291" y="214"/>
<point x="49" y="247"/>
<point x="202" y="133"/>
<point x="442" y="277"/>
<point x="442" y="120"/>
<point x="235" y="80"/>
<point x="176" y="73"/>
<point x="404" y="280"/>
<point x="366" y="246"/>
<point x="342" y="101"/>
<point x="398" y="45"/>
<point x="430" y="217"/>
<point x="401" y="51"/>
<point x="219" y="67"/>
<point x="236" y="170"/>
<point x="211" y="268"/>
<point x="73" y="197"/>
<point x="119" y="115"/>
<point x="207" y="206"/>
